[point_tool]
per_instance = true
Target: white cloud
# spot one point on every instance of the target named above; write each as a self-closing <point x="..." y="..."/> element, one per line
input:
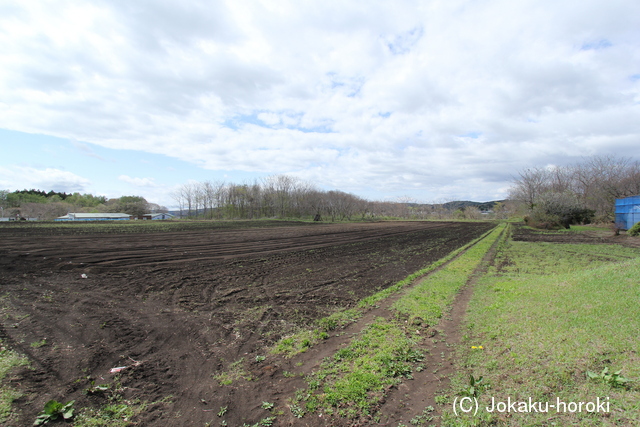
<point x="371" y="97"/>
<point x="138" y="182"/>
<point x="22" y="177"/>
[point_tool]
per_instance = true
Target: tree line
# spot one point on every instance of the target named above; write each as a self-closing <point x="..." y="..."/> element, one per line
<point x="579" y="193"/>
<point x="50" y="205"/>
<point x="278" y="196"/>
<point x="283" y="196"/>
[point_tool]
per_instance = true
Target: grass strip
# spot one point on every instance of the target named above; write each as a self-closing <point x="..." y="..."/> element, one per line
<point x="9" y="360"/>
<point x="385" y="293"/>
<point x="427" y="301"/>
<point x="540" y="320"/>
<point x="356" y="378"/>
<point x="358" y="375"/>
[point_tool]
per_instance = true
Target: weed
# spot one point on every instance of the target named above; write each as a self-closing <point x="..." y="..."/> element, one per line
<point x="38" y="344"/>
<point x="54" y="410"/>
<point x="442" y="399"/>
<point x="235" y="372"/>
<point x="96" y="388"/>
<point x="297" y="411"/>
<point x="8" y="361"/>
<point x="222" y="412"/>
<point x="475" y="386"/>
<point x="615" y="379"/>
<point x="425" y="417"/>
<point x="266" y="422"/>
<point x="267" y="405"/>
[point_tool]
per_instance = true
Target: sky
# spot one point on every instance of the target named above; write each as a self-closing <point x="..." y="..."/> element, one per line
<point x="431" y="100"/>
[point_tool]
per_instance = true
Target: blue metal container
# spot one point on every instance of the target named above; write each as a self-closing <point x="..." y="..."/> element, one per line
<point x="627" y="212"/>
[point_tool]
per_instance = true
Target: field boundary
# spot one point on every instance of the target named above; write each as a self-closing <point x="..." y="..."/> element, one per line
<point x="374" y="321"/>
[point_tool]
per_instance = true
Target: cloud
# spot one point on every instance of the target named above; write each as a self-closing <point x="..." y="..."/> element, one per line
<point x="138" y="182"/>
<point x="21" y="177"/>
<point x="368" y="97"/>
<point x="86" y="150"/>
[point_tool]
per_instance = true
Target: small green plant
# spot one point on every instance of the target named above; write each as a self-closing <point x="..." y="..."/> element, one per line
<point x="96" y="388"/>
<point x="234" y="372"/>
<point x="267" y="405"/>
<point x="222" y="411"/>
<point x="297" y="411"/>
<point x="442" y="399"/>
<point x="475" y="386"/>
<point x="615" y="379"/>
<point x="260" y="358"/>
<point x="54" y="410"/>
<point x="266" y="422"/>
<point x="38" y="344"/>
<point x="422" y="419"/>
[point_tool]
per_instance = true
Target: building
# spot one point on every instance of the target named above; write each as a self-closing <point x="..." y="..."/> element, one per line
<point x="627" y="212"/>
<point x="157" y="216"/>
<point x="94" y="217"/>
<point x="111" y="217"/>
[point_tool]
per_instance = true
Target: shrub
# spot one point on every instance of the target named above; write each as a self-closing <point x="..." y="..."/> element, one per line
<point x="555" y="210"/>
<point x="635" y="230"/>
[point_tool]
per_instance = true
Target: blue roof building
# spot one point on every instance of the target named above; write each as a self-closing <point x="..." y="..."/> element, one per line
<point x="627" y="212"/>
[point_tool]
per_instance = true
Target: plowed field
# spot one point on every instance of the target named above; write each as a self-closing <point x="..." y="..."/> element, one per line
<point x="176" y="308"/>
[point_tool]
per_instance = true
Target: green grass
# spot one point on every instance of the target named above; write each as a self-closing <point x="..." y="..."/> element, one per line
<point x="545" y="316"/>
<point x="116" y="410"/>
<point x="9" y="360"/>
<point x="357" y="377"/>
<point x="116" y="413"/>
<point x="385" y="293"/>
<point x="235" y="371"/>
<point x="38" y="344"/>
<point x="427" y="301"/>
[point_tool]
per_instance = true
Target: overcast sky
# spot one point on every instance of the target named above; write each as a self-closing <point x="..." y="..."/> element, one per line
<point x="436" y="100"/>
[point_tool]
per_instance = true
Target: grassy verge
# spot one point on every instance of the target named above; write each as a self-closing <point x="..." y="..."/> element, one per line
<point x="9" y="360"/>
<point x="426" y="302"/>
<point x="356" y="378"/>
<point x="540" y="320"/>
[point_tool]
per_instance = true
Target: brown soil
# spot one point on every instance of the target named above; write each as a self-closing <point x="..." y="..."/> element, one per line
<point x="595" y="236"/>
<point x="178" y="308"/>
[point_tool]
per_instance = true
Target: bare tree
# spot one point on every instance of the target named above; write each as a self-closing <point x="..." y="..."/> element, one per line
<point x="595" y="182"/>
<point x="531" y="183"/>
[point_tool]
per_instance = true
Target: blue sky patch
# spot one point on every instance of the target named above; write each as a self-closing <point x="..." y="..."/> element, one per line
<point x="596" y="45"/>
